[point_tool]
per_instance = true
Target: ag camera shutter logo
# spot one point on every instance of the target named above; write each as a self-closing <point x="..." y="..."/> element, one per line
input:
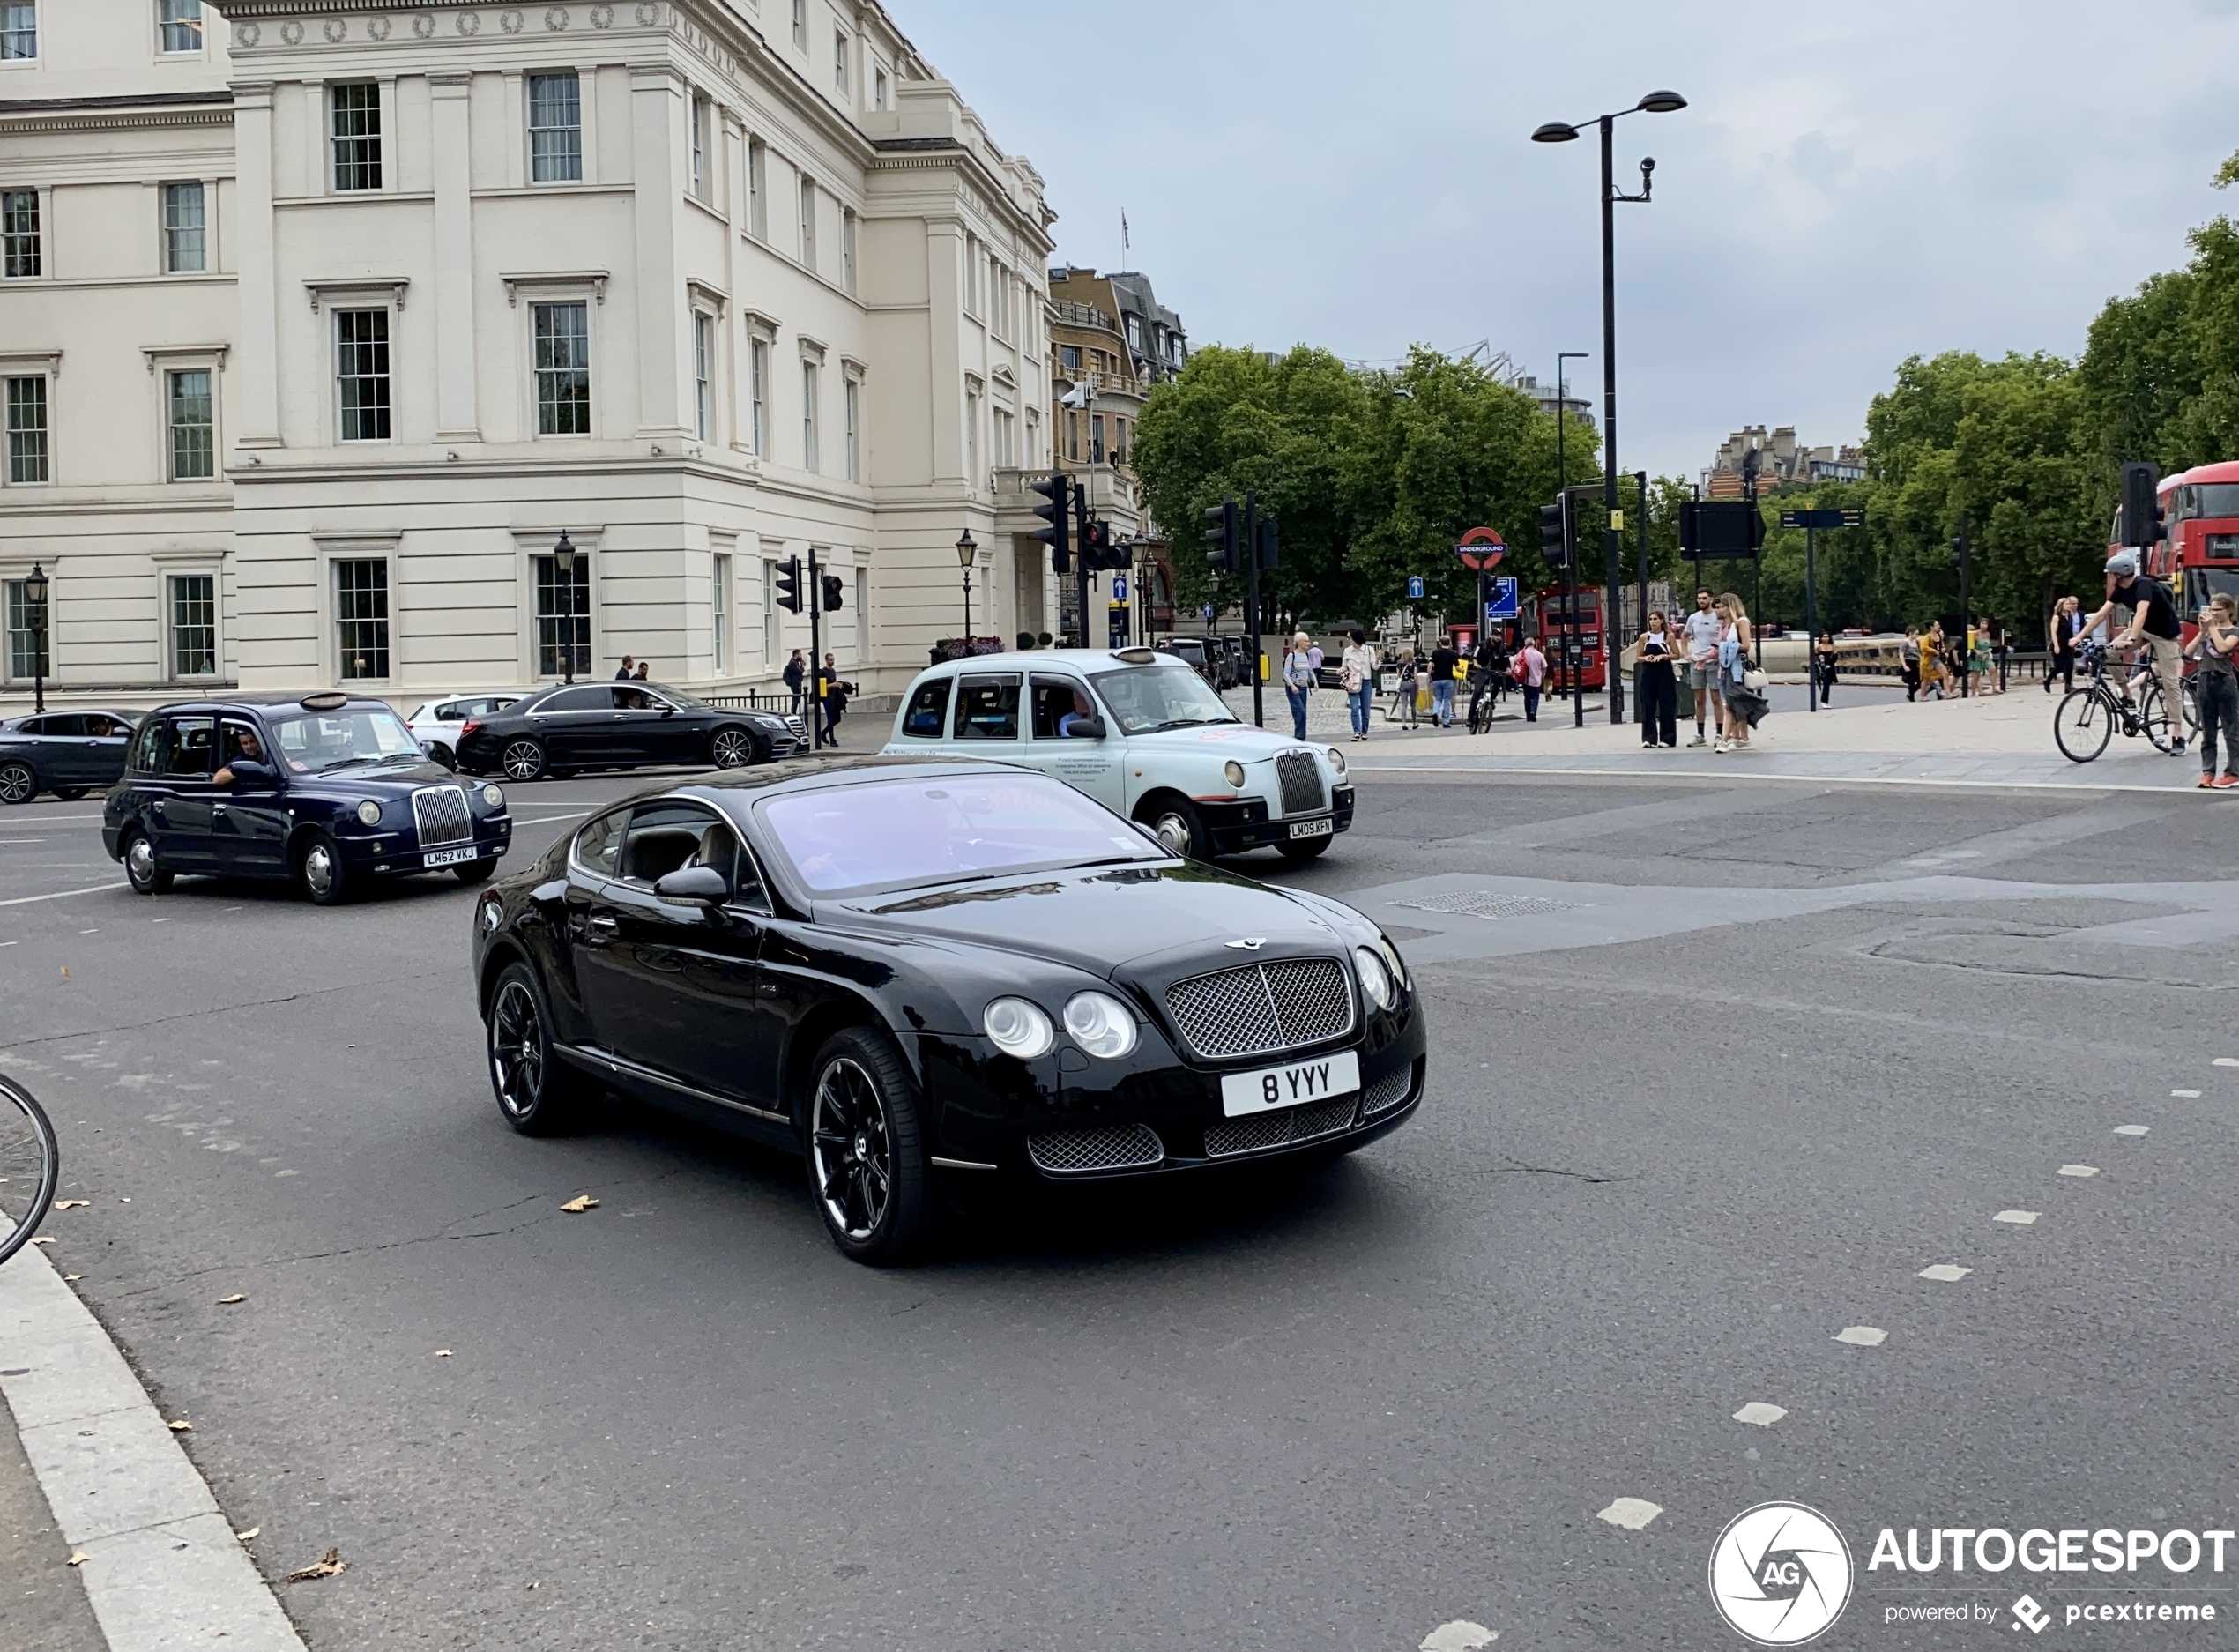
<point x="1780" y="1574"/>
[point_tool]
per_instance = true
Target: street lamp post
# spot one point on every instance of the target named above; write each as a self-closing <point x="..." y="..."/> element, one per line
<point x="1558" y="132"/>
<point x="34" y="593"/>
<point x="967" y="553"/>
<point x="563" y="571"/>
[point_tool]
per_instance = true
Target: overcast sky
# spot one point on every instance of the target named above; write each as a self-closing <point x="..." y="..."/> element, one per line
<point x="1849" y="186"/>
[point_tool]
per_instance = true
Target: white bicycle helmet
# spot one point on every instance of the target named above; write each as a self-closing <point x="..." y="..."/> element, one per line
<point x="2123" y="564"/>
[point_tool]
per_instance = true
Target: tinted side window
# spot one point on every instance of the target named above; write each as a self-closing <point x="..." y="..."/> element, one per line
<point x="599" y="846"/>
<point x="987" y="708"/>
<point x="1053" y="703"/>
<point x="928" y="713"/>
<point x="188" y="748"/>
<point x="57" y="725"/>
<point x="668" y="836"/>
<point x="449" y="712"/>
<point x="599" y="698"/>
<point x="150" y="749"/>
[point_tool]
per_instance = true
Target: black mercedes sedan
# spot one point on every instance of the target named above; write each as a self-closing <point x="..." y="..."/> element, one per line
<point x="584" y="725"/>
<point x="917" y="973"/>
<point x="329" y="791"/>
<point x="67" y="753"/>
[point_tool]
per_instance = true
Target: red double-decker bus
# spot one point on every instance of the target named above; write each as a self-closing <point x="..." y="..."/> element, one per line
<point x="1584" y="651"/>
<point x="2197" y="556"/>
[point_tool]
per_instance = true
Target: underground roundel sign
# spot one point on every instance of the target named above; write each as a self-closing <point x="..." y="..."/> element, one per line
<point x="1481" y="549"/>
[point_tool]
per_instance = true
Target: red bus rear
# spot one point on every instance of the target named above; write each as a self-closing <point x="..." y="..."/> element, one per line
<point x="2198" y="556"/>
<point x="1546" y="613"/>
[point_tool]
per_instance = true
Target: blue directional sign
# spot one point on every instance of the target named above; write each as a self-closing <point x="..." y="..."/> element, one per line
<point x="1206" y="610"/>
<point x="1502" y="604"/>
<point x="1119" y="587"/>
<point x="1415" y="587"/>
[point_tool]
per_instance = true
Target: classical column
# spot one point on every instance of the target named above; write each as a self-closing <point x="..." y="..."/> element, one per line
<point x="257" y="363"/>
<point x="658" y="112"/>
<point x="454" y="308"/>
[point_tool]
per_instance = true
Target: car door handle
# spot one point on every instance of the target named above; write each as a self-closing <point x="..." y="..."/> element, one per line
<point x="217" y="809"/>
<point x="157" y="807"/>
<point x="602" y="926"/>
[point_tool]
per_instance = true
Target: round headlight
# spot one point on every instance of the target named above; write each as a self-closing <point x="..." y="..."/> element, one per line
<point x="493" y="796"/>
<point x="1100" y="1025"/>
<point x="1337" y="760"/>
<point x="1235" y="773"/>
<point x="1391" y="956"/>
<point x="1019" y="1028"/>
<point x="370" y="813"/>
<point x="1375" y="978"/>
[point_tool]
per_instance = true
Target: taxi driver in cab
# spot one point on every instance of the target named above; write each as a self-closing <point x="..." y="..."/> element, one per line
<point x="247" y="760"/>
<point x="1083" y="711"/>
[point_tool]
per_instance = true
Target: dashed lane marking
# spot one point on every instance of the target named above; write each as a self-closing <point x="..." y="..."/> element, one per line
<point x="1862" y="1335"/>
<point x="1945" y="1273"/>
<point x="1631" y="1513"/>
<point x="1762" y="1414"/>
<point x="1460" y="1635"/>
<point x="2131" y="1129"/>
<point x="2079" y="1170"/>
<point x="2189" y="1095"/>
<point x="2227" y="1060"/>
<point x="95" y="888"/>
<point x="2020" y="1218"/>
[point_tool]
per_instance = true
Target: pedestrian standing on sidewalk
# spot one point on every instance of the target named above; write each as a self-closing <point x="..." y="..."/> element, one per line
<point x="1823" y="663"/>
<point x="1932" y="660"/>
<point x="1443" y="660"/>
<point x="1734" y="641"/>
<point x="796" y="672"/>
<point x="1409" y="670"/>
<point x="1357" y="673"/>
<point x="2216" y="687"/>
<point x="1299" y="674"/>
<point x="1659" y="687"/>
<point x="1530" y="672"/>
<point x="1702" y="631"/>
<point x="1909" y="661"/>
<point x="2067" y="620"/>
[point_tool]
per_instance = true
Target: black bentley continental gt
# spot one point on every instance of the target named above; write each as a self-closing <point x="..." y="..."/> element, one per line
<point x="911" y="970"/>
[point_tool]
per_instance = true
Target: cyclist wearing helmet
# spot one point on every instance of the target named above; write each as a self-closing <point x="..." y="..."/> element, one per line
<point x="2153" y="622"/>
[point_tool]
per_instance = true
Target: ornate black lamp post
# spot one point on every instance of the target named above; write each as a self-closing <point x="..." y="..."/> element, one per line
<point x="563" y="571"/>
<point x="34" y="594"/>
<point x="967" y="554"/>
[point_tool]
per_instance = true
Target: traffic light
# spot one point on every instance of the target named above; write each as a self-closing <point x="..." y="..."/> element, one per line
<point x="2141" y="507"/>
<point x="1555" y="532"/>
<point x="788" y="584"/>
<point x="833" y="588"/>
<point x="1055" y="490"/>
<point x="1220" y="537"/>
<point x="1270" y="546"/>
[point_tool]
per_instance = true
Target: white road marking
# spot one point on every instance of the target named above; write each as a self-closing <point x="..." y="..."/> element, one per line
<point x="2130" y="1129"/>
<point x="1862" y="1335"/>
<point x="1945" y="1273"/>
<point x="2189" y="1095"/>
<point x="1460" y="1635"/>
<point x="2020" y="1218"/>
<point x="1631" y="1513"/>
<point x="59" y="895"/>
<point x="2079" y="1170"/>
<point x="89" y="932"/>
<point x="2227" y="1060"/>
<point x="1760" y="1413"/>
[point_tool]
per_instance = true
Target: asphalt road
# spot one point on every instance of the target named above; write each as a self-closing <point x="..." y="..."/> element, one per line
<point x="1726" y="1067"/>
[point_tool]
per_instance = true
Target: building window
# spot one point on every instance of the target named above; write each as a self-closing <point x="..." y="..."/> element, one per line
<point x="719" y="594"/>
<point x="1068" y="358"/>
<point x="563" y="618"/>
<point x="357" y="135"/>
<point x="1004" y="424"/>
<point x="757" y="189"/>
<point x="361" y="371"/>
<point x="800" y="26"/>
<point x="19" y="232"/>
<point x="878" y="89"/>
<point x="555" y="128"/>
<point x="1095" y="438"/>
<point x="854" y="399"/>
<point x="808" y="222"/>
<point x="971" y="438"/>
<point x="194" y="625"/>
<point x="25" y="634"/>
<point x="1134" y="333"/>
<point x="863" y="615"/>
<point x="186" y="248"/>
<point x="808" y="378"/>
<point x="847" y="250"/>
<point x="972" y="275"/>
<point x="563" y="368"/>
<point x="1118" y="441"/>
<point x="361" y="617"/>
<point x="1073" y="436"/>
<point x="1033" y="454"/>
<point x="758" y="393"/>
<point x="26" y="419"/>
<point x="770" y="613"/>
<point x="18" y="29"/>
<point x="703" y="369"/>
<point x="700" y="186"/>
<point x="194" y="430"/>
<point x="839" y="62"/>
<point x="180" y="23"/>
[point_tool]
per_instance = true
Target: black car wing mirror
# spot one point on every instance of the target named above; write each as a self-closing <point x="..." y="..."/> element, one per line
<point x="437" y="752"/>
<point x="1087" y="728"/>
<point x="694" y="886"/>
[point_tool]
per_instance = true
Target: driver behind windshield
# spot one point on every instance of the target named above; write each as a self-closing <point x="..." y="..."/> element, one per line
<point x="246" y="761"/>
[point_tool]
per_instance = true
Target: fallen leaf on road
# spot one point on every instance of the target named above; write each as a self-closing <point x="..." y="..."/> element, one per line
<point x="442" y="1353"/>
<point x="71" y="1279"/>
<point x="227" y="1302"/>
<point x="533" y="1586"/>
<point x="70" y="1204"/>
<point x="580" y="1203"/>
<point x="330" y="1565"/>
<point x="79" y="1558"/>
<point x="181" y="1427"/>
<point x="244" y="1536"/>
<point x="65" y="971"/>
<point x="43" y="1240"/>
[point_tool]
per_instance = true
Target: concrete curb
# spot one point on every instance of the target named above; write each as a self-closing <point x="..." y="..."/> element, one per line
<point x="1921" y="782"/>
<point x="163" y="1568"/>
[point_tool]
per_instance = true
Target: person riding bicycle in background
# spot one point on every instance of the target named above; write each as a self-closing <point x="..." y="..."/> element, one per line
<point x="2153" y="622"/>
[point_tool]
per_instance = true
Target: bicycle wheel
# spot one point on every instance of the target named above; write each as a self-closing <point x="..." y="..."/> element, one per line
<point x="2083" y="725"/>
<point x="2153" y="718"/>
<point x="29" y="1165"/>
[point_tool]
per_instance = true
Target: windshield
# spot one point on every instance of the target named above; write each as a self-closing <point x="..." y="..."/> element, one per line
<point x="2212" y="499"/>
<point x="902" y="834"/>
<point x="2200" y="584"/>
<point x="1146" y="699"/>
<point x="315" y="741"/>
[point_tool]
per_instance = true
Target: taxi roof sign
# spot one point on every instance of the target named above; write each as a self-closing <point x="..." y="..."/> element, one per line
<point x="328" y="700"/>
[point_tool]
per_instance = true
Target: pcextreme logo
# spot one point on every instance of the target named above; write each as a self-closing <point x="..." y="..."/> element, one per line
<point x="1780" y="1573"/>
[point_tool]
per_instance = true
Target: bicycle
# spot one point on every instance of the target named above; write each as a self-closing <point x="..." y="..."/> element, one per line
<point x="1484" y="695"/>
<point x="2088" y="716"/>
<point x="30" y="1163"/>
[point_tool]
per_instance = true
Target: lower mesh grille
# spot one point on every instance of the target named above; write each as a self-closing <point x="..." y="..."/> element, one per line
<point x="1108" y="1147"/>
<point x="1274" y="1129"/>
<point x="1387" y="1092"/>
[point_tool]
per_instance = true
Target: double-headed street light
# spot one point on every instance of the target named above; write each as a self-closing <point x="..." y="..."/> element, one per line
<point x="967" y="554"/>
<point x="1558" y="133"/>
<point x="35" y="595"/>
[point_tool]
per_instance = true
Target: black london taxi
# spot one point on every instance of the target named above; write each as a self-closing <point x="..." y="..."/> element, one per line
<point x="330" y="790"/>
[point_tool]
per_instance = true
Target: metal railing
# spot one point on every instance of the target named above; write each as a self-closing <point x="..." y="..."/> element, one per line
<point x="1084" y="315"/>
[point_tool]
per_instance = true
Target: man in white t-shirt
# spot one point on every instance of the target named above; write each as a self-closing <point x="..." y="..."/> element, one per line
<point x="1702" y="631"/>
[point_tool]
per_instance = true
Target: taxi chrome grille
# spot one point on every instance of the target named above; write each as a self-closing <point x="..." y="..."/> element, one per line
<point x="440" y="812"/>
<point x="1287" y="1128"/>
<point x="1262" y="1007"/>
<point x="1387" y="1092"/>
<point x="1106" y="1147"/>
<point x="1300" y="777"/>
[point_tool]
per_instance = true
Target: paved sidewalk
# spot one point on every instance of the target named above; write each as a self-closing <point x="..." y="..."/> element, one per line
<point x="42" y="1604"/>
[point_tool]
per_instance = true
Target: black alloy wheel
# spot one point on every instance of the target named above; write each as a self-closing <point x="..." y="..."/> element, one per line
<point x="140" y="868"/>
<point x="538" y="1093"/>
<point x="18" y="783"/>
<point x="867" y="1162"/>
<point x="732" y="749"/>
<point x="71" y="793"/>
<point x="1303" y="849"/>
<point x="475" y="871"/>
<point x="522" y="759"/>
<point x="1178" y="827"/>
<point x="319" y="869"/>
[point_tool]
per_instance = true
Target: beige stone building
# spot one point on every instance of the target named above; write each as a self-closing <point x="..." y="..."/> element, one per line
<point x="321" y="320"/>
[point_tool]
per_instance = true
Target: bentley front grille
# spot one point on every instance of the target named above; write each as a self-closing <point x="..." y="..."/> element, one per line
<point x="440" y="812"/>
<point x="1387" y="1092"/>
<point x="1292" y="1125"/>
<point x="1261" y="1007"/>
<point x="1300" y="777"/>
<point x="1104" y="1146"/>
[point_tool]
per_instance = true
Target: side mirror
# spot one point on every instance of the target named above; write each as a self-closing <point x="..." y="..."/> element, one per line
<point x="1088" y="728"/>
<point x="694" y="886"/>
<point x="437" y="752"/>
<point x="668" y="711"/>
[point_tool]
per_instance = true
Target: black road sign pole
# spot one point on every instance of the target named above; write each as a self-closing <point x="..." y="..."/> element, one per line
<point x="1811" y="620"/>
<point x="1572" y="664"/>
<point x="1252" y="600"/>
<point x="1641" y="559"/>
<point x="814" y="591"/>
<point x="1966" y="610"/>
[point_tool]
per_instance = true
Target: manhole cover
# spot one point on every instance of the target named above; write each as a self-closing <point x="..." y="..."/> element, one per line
<point x="1483" y="903"/>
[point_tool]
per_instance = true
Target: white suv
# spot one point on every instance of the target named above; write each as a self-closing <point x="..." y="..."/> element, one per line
<point x="437" y="722"/>
<point x="1141" y="733"/>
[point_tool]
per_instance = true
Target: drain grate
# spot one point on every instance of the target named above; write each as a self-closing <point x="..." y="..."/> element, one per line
<point x="1483" y="903"/>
